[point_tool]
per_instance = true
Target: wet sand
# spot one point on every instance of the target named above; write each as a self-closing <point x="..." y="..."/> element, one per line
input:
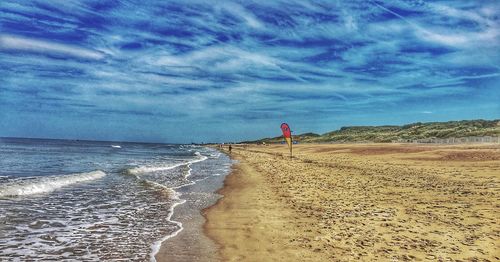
<point x="360" y="202"/>
<point x="191" y="244"/>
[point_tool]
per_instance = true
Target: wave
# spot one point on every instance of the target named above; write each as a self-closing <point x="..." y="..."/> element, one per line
<point x="47" y="184"/>
<point x="201" y="158"/>
<point x="216" y="155"/>
<point x="150" y="169"/>
<point x="163" y="189"/>
<point x="155" y="248"/>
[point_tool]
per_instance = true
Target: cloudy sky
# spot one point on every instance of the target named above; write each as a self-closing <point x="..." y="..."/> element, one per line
<point x="198" y="71"/>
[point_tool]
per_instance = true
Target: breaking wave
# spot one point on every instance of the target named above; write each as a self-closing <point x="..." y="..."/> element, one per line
<point x="150" y="169"/>
<point x="46" y="184"/>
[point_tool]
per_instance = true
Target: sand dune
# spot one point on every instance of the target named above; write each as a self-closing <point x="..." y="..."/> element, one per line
<point x="360" y="202"/>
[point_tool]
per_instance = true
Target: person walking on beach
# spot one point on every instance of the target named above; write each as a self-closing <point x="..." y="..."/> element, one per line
<point x="230" y="148"/>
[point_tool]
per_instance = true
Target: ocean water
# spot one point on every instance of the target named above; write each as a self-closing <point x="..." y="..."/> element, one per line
<point x="90" y="201"/>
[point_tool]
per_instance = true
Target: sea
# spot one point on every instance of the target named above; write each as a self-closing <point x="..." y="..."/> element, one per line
<point x="67" y="200"/>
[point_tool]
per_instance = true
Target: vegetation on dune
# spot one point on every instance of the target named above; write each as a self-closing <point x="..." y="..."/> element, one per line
<point x="451" y="129"/>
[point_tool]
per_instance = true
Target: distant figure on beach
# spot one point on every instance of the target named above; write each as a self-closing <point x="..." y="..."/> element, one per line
<point x="230" y="148"/>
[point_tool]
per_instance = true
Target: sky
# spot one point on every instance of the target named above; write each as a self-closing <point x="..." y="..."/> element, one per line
<point x="213" y="71"/>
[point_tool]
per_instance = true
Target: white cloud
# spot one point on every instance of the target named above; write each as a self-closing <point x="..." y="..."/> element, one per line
<point x="463" y="14"/>
<point x="10" y="42"/>
<point x="462" y="39"/>
<point x="241" y="12"/>
<point x="218" y="61"/>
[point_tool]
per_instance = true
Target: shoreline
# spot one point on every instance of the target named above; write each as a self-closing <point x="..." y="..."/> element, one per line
<point x="157" y="246"/>
<point x="192" y="198"/>
<point x="247" y="222"/>
<point x="358" y="201"/>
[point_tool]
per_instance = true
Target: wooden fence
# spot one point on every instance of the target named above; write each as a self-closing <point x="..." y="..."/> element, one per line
<point x="452" y="140"/>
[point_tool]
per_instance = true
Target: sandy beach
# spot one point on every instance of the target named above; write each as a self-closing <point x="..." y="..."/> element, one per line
<point x="387" y="202"/>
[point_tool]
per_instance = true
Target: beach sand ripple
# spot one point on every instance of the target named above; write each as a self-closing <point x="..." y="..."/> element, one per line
<point x="360" y="202"/>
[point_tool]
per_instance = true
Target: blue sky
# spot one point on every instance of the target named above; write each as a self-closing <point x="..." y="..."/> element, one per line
<point x="198" y="71"/>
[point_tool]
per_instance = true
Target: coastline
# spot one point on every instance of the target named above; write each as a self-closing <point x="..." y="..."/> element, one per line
<point x="189" y="243"/>
<point x="249" y="223"/>
<point x="363" y="202"/>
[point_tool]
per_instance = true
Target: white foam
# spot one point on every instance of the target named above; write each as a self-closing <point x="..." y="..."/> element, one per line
<point x="47" y="184"/>
<point x="188" y="173"/>
<point x="176" y="195"/>
<point x="116" y="146"/>
<point x="201" y="158"/>
<point x="216" y="155"/>
<point x="150" y="169"/>
<point x="156" y="245"/>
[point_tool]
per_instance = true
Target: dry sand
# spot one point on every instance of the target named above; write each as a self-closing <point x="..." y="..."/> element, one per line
<point x="384" y="202"/>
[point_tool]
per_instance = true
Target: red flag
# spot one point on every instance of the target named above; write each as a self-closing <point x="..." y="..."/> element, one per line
<point x="287" y="133"/>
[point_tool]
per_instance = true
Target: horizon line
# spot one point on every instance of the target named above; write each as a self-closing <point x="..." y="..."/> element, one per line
<point x="226" y="142"/>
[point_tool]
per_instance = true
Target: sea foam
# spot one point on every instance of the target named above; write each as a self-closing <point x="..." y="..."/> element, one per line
<point x="46" y="184"/>
<point x="155" y="248"/>
<point x="150" y="169"/>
